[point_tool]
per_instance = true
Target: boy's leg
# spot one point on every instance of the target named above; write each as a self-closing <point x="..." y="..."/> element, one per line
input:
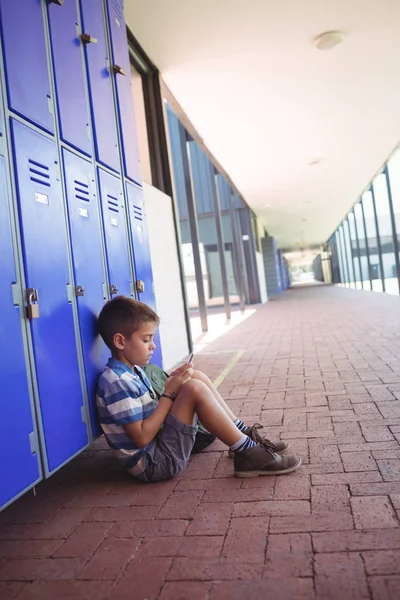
<point x="206" y="380"/>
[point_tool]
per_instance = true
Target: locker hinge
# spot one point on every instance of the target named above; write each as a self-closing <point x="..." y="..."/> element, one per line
<point x="58" y="2"/>
<point x="105" y="293"/>
<point x="16" y="294"/>
<point x="132" y="288"/>
<point x="50" y="104"/>
<point x="33" y="442"/>
<point x="70" y="293"/>
<point x="83" y="413"/>
<point x="140" y="286"/>
<point x="2" y="144"/>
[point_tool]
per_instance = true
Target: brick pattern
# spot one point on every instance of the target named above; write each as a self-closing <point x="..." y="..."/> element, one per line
<point x="321" y="369"/>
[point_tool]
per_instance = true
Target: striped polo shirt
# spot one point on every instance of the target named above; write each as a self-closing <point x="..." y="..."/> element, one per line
<point x="123" y="398"/>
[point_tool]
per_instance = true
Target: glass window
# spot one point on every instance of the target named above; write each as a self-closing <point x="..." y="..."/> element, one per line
<point x="375" y="271"/>
<point x="346" y="278"/>
<point x="141" y="124"/>
<point x="354" y="250"/>
<point x="349" y="256"/>
<point x="340" y="258"/>
<point x="359" y="223"/>
<point x="385" y="234"/>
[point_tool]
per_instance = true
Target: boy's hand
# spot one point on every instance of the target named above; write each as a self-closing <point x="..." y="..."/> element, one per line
<point x="178" y="378"/>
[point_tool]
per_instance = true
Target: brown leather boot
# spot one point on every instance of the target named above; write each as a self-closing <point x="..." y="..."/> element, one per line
<point x="260" y="460"/>
<point x="252" y="432"/>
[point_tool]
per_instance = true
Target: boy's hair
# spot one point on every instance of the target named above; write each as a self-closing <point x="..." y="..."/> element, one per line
<point x="123" y="315"/>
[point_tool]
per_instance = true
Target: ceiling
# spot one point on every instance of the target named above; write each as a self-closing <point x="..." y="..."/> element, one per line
<point x="267" y="103"/>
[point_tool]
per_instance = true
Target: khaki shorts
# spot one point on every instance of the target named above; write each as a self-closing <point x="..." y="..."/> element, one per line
<point x="170" y="452"/>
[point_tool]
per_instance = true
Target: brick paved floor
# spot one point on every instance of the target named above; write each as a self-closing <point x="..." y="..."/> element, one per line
<point x="321" y="368"/>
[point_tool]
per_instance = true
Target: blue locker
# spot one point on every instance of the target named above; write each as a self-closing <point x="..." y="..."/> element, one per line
<point x="126" y="112"/>
<point x="85" y="227"/>
<point x="114" y="222"/>
<point x="69" y="78"/>
<point x="44" y="246"/>
<point x="100" y="85"/>
<point x="141" y="253"/>
<point x="21" y="470"/>
<point x="28" y="86"/>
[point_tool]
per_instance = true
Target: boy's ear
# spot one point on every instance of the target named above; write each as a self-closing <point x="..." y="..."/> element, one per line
<point x="119" y="341"/>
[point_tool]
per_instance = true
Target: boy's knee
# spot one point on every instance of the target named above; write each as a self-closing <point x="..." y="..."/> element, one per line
<point x="199" y="375"/>
<point x="196" y="387"/>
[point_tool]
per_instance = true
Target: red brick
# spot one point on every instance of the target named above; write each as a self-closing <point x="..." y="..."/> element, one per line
<point x="180" y="505"/>
<point x="247" y="539"/>
<point x="210" y="519"/>
<point x="346" y="429"/>
<point x="35" y="509"/>
<point x="386" y="454"/>
<point x="62" y="524"/>
<point x="318" y="469"/>
<point x="65" y="590"/>
<point x="379" y="393"/>
<point x="229" y="486"/>
<point x="320" y="454"/>
<point x="377" y="489"/>
<point x="340" y="576"/>
<point x="289" y="554"/>
<point x="358" y="461"/>
<point x="366" y="410"/>
<point x="29" y="569"/>
<point x="395" y="499"/>
<point x="122" y="513"/>
<point x="153" y="495"/>
<point x="156" y="528"/>
<point x="272" y="507"/>
<point x="374" y="512"/>
<point x="325" y="498"/>
<point x="268" y="589"/>
<point x="338" y="478"/>
<point x="295" y="487"/>
<point x="385" y="588"/>
<point x="350" y="541"/>
<point x="29" y="548"/>
<point x="189" y="546"/>
<point x="370" y="446"/>
<point x="339" y="402"/>
<point x="182" y="590"/>
<point x="272" y="417"/>
<point x="383" y="562"/>
<point x="142" y="579"/>
<point x="327" y="522"/>
<point x="376" y="433"/>
<point x="389" y="409"/>
<point x="390" y="469"/>
<point x="265" y="492"/>
<point x="9" y="590"/>
<point x="189" y="569"/>
<point x="308" y="434"/>
<point x="316" y="399"/>
<point x="84" y="541"/>
<point x="110" y="559"/>
<point x="96" y="500"/>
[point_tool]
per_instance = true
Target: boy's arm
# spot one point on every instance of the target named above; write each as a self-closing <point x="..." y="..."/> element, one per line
<point x="144" y="431"/>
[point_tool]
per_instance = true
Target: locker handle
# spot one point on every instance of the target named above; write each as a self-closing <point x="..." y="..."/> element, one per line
<point x="58" y="2"/>
<point x="140" y="286"/>
<point x="86" y="38"/>
<point x="32" y="298"/>
<point x="118" y="70"/>
<point x="113" y="289"/>
<point x="79" y="290"/>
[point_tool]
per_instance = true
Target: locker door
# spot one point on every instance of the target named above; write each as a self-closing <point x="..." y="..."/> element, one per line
<point x="85" y="226"/>
<point x="100" y="85"/>
<point x="69" y="78"/>
<point x="141" y="254"/>
<point x="46" y="268"/>
<point x="25" y="59"/>
<point x="126" y="112"/>
<point x="17" y="429"/>
<point x="114" y="222"/>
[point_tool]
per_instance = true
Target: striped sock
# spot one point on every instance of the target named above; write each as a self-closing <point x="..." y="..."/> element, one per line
<point x="243" y="444"/>
<point x="240" y="425"/>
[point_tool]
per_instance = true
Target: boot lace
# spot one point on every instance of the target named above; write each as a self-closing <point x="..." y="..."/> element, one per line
<point x="253" y="433"/>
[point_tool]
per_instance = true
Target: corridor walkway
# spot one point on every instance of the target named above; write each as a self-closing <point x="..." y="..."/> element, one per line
<point x="319" y="367"/>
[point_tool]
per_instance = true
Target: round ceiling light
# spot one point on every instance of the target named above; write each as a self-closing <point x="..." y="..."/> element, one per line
<point x="328" y="40"/>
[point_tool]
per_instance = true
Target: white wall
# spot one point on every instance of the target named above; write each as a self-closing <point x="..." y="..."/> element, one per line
<point x="167" y="285"/>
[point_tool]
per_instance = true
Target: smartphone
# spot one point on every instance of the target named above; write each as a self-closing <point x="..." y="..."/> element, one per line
<point x="190" y="357"/>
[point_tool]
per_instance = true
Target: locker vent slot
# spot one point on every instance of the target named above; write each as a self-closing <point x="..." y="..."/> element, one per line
<point x="39" y="173"/>
<point x="117" y="4"/>
<point x="82" y="191"/>
<point x="138" y="213"/>
<point x="112" y="203"/>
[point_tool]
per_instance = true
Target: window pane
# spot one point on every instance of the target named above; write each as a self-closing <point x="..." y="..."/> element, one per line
<point x="375" y="270"/>
<point x="363" y="247"/>
<point x="354" y="250"/>
<point x="347" y="248"/>
<point x="385" y="233"/>
<point x="344" y="258"/>
<point x="340" y="257"/>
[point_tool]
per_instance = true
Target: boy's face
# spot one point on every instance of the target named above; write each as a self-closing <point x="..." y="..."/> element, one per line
<point x="138" y="349"/>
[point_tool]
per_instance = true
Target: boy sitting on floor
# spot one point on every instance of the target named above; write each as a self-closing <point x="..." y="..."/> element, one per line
<point x="154" y="437"/>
